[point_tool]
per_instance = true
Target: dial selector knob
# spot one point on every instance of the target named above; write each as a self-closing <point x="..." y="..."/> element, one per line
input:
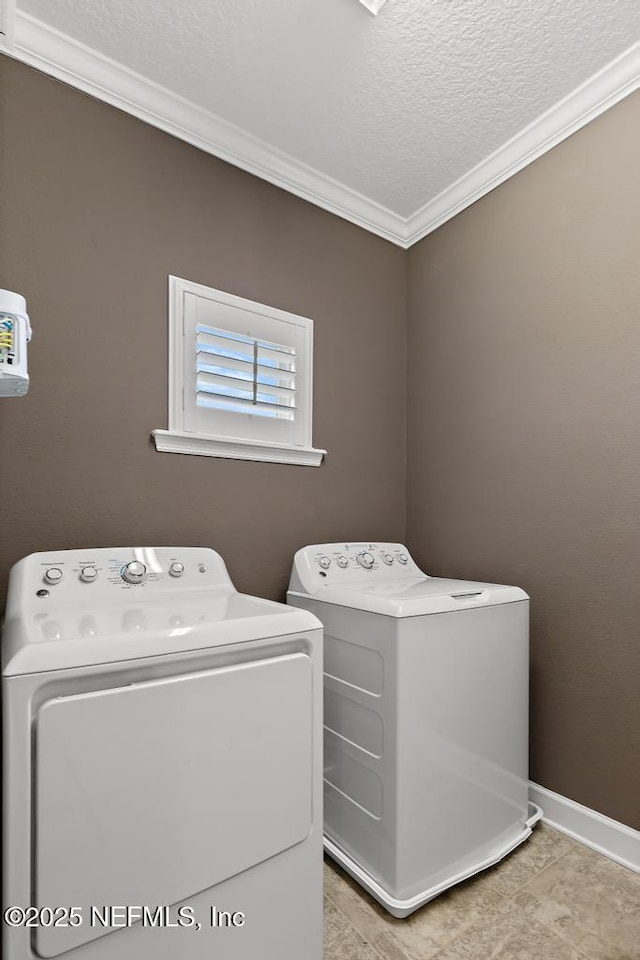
<point x="324" y="562"/>
<point x="134" y="572"/>
<point x="388" y="559"/>
<point x="176" y="569"/>
<point x="88" y="574"/>
<point x="342" y="562"/>
<point x="365" y="560"/>
<point x="53" y="575"/>
<point x="403" y="558"/>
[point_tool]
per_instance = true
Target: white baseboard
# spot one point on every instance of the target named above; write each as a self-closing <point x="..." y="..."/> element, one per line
<point x="609" y="837"/>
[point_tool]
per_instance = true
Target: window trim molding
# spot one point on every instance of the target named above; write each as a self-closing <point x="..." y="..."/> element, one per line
<point x="176" y="439"/>
<point x="172" y="441"/>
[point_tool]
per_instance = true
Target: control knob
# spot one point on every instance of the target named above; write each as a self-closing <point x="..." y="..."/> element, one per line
<point x="365" y="560"/>
<point x="176" y="569"/>
<point x="388" y="559"/>
<point x="134" y="572"/>
<point x="342" y="562"/>
<point x="324" y="562"/>
<point x="88" y="574"/>
<point x="53" y="575"/>
<point x="403" y="558"/>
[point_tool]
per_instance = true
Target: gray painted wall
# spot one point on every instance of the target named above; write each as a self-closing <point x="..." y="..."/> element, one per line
<point x="523" y="396"/>
<point x="98" y="209"/>
<point x="524" y="437"/>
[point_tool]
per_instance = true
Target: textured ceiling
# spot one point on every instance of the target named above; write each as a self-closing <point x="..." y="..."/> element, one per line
<point x="396" y="107"/>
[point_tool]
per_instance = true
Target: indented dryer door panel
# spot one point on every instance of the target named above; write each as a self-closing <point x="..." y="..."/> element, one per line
<point x="150" y="793"/>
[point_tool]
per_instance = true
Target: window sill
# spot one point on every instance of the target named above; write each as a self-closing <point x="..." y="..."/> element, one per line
<point x="170" y="441"/>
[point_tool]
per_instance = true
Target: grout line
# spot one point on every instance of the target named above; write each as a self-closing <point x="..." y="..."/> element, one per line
<point x="552" y="863"/>
<point x="362" y="934"/>
<point x="505" y="902"/>
<point x="495" y="949"/>
<point x="358" y="931"/>
<point x="536" y="876"/>
<point x="580" y="951"/>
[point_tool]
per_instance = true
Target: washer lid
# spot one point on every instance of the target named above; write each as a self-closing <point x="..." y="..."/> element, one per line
<point x="418" y="597"/>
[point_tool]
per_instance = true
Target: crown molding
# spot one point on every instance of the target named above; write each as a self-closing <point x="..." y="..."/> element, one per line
<point x="7" y="21"/>
<point x="596" y="95"/>
<point x="40" y="46"/>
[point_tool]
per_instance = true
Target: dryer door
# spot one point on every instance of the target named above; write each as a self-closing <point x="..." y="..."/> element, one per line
<point x="150" y="793"/>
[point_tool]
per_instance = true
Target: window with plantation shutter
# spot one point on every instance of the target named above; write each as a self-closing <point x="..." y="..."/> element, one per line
<point x="240" y="378"/>
<point x="244" y="375"/>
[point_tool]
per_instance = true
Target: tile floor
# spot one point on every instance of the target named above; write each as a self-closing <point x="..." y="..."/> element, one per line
<point x="552" y="899"/>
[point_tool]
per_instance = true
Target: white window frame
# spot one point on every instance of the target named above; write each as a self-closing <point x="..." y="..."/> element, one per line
<point x="179" y="440"/>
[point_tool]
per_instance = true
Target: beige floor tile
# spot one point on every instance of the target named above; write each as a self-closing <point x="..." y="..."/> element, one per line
<point x="512" y="936"/>
<point x="542" y="848"/>
<point x="367" y="916"/>
<point x="341" y="940"/>
<point x="425" y="932"/>
<point x="442" y="920"/>
<point x="552" y="899"/>
<point x="589" y="901"/>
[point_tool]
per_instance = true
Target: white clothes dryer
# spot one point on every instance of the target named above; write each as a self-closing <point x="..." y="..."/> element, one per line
<point x="162" y="762"/>
<point x="425" y="719"/>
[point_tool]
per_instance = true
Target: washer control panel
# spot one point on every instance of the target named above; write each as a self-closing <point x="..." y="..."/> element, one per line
<point x="336" y="563"/>
<point x="366" y="560"/>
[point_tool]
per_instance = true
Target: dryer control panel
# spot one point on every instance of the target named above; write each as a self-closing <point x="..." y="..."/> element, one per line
<point x="109" y="591"/>
<point x="341" y="563"/>
<point x="73" y="575"/>
<point x="77" y="608"/>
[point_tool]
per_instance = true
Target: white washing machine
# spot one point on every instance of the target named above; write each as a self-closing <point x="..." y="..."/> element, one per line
<point x="162" y="762"/>
<point x="425" y="722"/>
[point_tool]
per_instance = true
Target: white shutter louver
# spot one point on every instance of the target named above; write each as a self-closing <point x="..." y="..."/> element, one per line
<point x="241" y="374"/>
<point x="240" y="378"/>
